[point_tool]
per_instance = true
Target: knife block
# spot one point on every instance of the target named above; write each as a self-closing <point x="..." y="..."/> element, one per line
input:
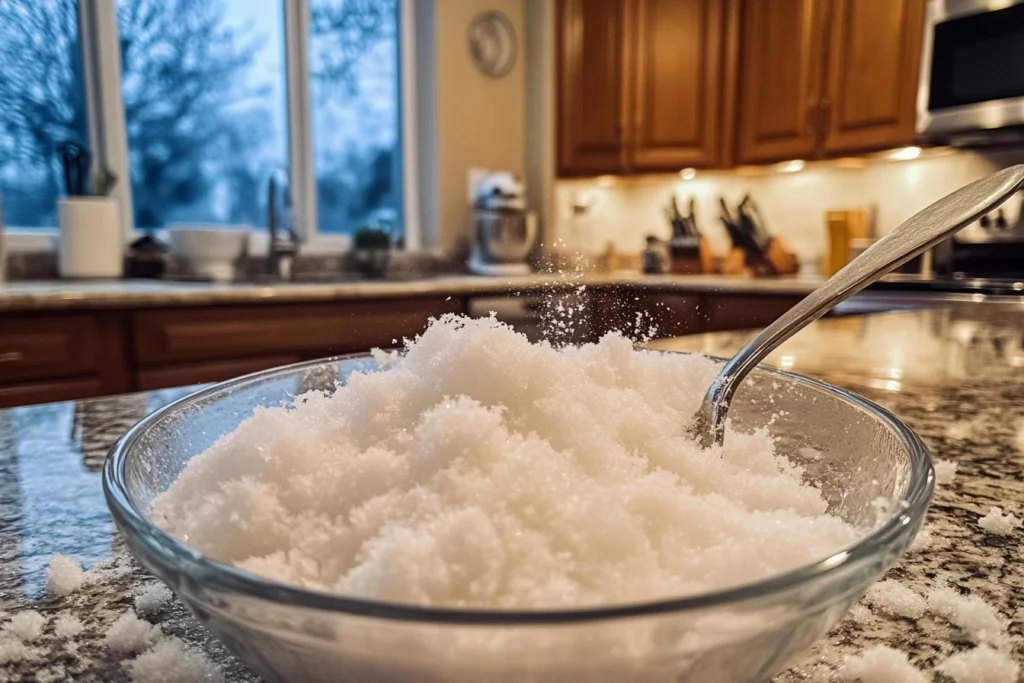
<point x="777" y="260"/>
<point x="690" y="256"/>
<point x="739" y="262"/>
<point x="781" y="259"/>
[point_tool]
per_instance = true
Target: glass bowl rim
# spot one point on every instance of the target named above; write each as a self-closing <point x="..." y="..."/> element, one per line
<point x="219" y="576"/>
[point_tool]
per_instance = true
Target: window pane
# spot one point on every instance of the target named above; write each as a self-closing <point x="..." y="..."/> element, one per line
<point x="205" y="107"/>
<point x="41" y="105"/>
<point x="355" y="108"/>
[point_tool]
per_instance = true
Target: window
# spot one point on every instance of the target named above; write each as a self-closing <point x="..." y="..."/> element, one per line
<point x="42" y="105"/>
<point x="206" y="97"/>
<point x="354" y="59"/>
<point x="203" y="85"/>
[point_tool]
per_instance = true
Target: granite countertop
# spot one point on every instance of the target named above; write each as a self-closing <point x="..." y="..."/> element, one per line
<point x="57" y="294"/>
<point x="956" y="375"/>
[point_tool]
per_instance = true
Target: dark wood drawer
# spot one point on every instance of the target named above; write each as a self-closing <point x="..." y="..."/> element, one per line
<point x="213" y="371"/>
<point x="41" y="347"/>
<point x="744" y="311"/>
<point x="48" y="391"/>
<point x="169" y="337"/>
<point x="669" y="315"/>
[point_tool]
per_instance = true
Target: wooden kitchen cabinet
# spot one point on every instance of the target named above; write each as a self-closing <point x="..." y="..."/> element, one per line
<point x="172" y="337"/>
<point x="678" y="104"/>
<point x="745" y="311"/>
<point x="70" y="355"/>
<point x="47" y="346"/>
<point x="32" y="393"/>
<point x="592" y="85"/>
<point x="826" y="78"/>
<point x="61" y="356"/>
<point x="780" y="82"/>
<point x="671" y="314"/>
<point x="216" y="371"/>
<point x="65" y="356"/>
<point x="641" y="85"/>
<point x="660" y="85"/>
<point x="874" y="58"/>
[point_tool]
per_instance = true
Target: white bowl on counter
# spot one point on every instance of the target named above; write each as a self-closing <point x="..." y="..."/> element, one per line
<point x="211" y="251"/>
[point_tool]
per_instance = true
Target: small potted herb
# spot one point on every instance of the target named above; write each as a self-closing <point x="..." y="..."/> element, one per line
<point x="371" y="248"/>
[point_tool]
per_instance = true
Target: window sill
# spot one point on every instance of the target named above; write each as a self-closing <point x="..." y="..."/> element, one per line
<point x="21" y="240"/>
<point x="47" y="239"/>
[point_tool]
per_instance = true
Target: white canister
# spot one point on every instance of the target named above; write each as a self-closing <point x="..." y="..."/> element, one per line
<point x="91" y="243"/>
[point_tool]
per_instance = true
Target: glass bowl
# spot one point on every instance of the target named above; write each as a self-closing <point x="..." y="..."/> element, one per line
<point x="872" y="469"/>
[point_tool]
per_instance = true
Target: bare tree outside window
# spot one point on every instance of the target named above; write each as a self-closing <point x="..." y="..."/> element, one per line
<point x="41" y="105"/>
<point x="202" y="82"/>
<point x="204" y="95"/>
<point x="355" y="91"/>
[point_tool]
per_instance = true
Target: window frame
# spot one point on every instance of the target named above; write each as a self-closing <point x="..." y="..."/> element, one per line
<point x="101" y="60"/>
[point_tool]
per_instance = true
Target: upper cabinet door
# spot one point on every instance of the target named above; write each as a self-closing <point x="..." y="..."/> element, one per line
<point x="592" y="85"/>
<point x="875" y="53"/>
<point x="678" y="85"/>
<point x="781" y="64"/>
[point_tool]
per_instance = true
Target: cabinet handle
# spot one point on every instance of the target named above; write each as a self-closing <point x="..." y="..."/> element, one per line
<point x="825" y="111"/>
<point x="11" y="356"/>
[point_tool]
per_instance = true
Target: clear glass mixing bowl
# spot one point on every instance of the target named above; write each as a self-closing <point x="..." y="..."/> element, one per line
<point x="858" y="453"/>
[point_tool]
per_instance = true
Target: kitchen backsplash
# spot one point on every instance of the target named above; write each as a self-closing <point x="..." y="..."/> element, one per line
<point x="591" y="213"/>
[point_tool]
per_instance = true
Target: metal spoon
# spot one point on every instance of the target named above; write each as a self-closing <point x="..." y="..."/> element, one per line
<point x="922" y="231"/>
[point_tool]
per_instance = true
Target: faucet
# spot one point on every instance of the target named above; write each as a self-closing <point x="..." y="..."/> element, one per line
<point x="282" y="248"/>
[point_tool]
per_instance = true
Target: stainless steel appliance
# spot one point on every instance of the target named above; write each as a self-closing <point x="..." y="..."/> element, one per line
<point x="503" y="231"/>
<point x="971" y="89"/>
<point x="989" y="249"/>
<point x="986" y="257"/>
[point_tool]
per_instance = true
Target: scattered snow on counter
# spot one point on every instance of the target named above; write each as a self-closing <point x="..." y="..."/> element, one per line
<point x="131" y="634"/>
<point x="922" y="541"/>
<point x="150" y="599"/>
<point x="980" y="620"/>
<point x="64" y="575"/>
<point x="945" y="471"/>
<point x="983" y="664"/>
<point x="995" y="522"/>
<point x="171" y="661"/>
<point x="894" y="598"/>
<point x="881" y="664"/>
<point x="26" y="626"/>
<point x="67" y="626"/>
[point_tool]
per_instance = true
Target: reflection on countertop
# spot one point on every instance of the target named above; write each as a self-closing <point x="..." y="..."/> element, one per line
<point x="960" y="385"/>
<point x="955" y="375"/>
<point x="928" y="347"/>
<point x="60" y="294"/>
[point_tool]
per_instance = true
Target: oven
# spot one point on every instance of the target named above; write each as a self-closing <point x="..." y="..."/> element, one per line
<point x="971" y="88"/>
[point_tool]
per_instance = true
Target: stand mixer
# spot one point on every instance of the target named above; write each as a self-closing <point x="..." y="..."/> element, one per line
<point x="503" y="231"/>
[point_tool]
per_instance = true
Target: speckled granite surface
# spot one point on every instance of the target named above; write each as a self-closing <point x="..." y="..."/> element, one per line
<point x="957" y="377"/>
<point x="62" y="295"/>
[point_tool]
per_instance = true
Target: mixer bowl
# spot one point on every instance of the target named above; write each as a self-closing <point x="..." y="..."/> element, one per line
<point x="855" y="450"/>
<point x="505" y="236"/>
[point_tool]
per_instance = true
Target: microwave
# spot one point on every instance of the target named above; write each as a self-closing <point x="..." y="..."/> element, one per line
<point x="971" y="86"/>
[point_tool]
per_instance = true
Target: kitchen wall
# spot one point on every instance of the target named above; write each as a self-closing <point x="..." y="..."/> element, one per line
<point x="465" y="119"/>
<point x="624" y="211"/>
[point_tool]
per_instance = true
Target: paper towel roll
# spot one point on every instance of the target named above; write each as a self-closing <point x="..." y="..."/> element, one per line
<point x="91" y="243"/>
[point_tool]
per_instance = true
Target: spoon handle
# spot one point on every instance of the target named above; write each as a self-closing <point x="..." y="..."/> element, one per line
<point x="920" y="232"/>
